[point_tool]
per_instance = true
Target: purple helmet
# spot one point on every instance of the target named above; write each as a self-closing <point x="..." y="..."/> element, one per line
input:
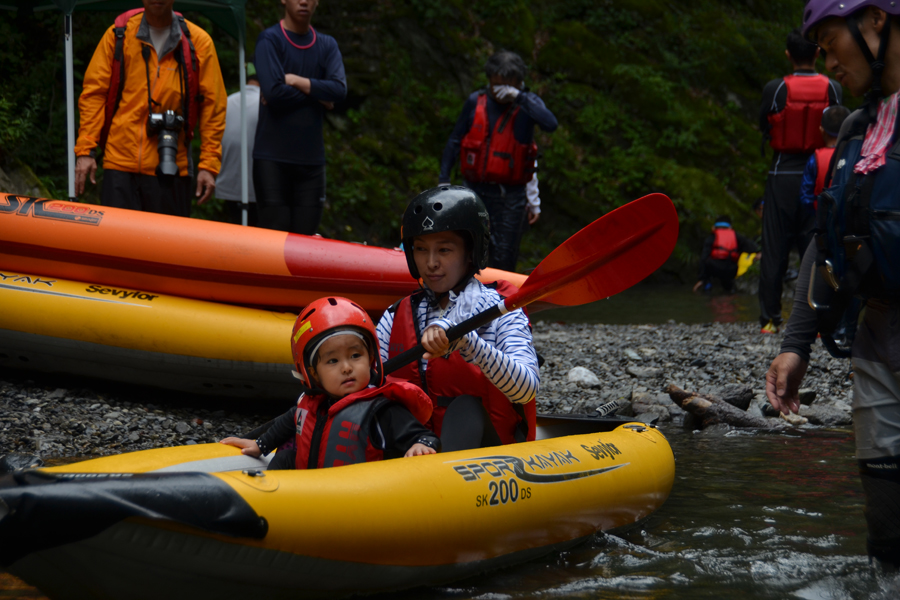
<point x="817" y="11"/>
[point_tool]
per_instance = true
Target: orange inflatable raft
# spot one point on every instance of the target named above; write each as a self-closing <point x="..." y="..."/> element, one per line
<point x="198" y="259"/>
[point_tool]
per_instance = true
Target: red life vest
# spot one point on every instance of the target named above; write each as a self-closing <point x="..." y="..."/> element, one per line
<point x="335" y="435"/>
<point x="725" y="245"/>
<point x="495" y="156"/>
<point x="446" y="378"/>
<point x="190" y="73"/>
<point x="796" y="128"/>
<point x="823" y="160"/>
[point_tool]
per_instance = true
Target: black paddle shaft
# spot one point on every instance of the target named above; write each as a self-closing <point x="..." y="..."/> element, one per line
<point x="453" y="334"/>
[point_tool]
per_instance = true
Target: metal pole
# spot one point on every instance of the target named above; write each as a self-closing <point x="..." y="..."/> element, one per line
<point x="70" y="105"/>
<point x="245" y="162"/>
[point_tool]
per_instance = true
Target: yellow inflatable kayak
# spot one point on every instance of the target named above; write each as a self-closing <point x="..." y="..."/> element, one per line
<point x="145" y="338"/>
<point x="205" y="522"/>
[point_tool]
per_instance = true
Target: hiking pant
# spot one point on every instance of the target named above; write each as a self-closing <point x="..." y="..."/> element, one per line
<point x="876" y="423"/>
<point x="134" y="191"/>
<point x="507" y="206"/>
<point x="467" y="425"/>
<point x="783" y="222"/>
<point x="234" y="209"/>
<point x="289" y="197"/>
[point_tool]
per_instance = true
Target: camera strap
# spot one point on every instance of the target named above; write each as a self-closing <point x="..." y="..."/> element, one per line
<point x="145" y="52"/>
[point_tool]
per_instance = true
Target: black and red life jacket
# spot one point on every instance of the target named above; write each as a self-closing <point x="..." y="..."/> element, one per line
<point x="190" y="73"/>
<point x="795" y="129"/>
<point x="338" y="434"/>
<point x="446" y="378"/>
<point x="495" y="156"/>
<point x="725" y="245"/>
<point x="823" y="161"/>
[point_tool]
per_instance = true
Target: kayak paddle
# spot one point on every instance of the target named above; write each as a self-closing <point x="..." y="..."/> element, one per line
<point x="607" y="257"/>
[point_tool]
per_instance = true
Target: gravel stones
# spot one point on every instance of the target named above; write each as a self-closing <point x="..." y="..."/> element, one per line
<point x="52" y="422"/>
<point x="583" y="377"/>
<point x="624" y="363"/>
<point x="634" y="363"/>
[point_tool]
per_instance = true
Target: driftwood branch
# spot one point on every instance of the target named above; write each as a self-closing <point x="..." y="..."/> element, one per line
<point x="709" y="410"/>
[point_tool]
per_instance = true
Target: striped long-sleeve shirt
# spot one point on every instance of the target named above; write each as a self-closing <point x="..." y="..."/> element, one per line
<point x="502" y="349"/>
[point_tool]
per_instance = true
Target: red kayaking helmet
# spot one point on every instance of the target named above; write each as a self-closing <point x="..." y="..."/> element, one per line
<point x="330" y="316"/>
<point x="817" y="11"/>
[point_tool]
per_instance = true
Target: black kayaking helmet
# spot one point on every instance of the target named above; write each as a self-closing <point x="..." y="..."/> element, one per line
<point x="447" y="208"/>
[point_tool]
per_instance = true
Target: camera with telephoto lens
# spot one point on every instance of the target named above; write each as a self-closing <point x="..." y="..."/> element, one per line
<point x="166" y="125"/>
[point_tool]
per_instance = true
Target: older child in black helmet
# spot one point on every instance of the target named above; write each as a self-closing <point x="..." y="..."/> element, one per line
<point x="482" y="386"/>
<point x="348" y="414"/>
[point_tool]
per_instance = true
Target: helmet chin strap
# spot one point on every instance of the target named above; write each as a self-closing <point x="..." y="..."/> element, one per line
<point x="875" y="93"/>
<point x="304" y="386"/>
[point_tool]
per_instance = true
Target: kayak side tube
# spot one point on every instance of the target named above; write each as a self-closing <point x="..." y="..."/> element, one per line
<point x="364" y="528"/>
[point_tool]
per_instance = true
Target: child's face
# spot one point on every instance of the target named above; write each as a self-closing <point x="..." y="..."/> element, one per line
<point x="343" y="365"/>
<point x="441" y="259"/>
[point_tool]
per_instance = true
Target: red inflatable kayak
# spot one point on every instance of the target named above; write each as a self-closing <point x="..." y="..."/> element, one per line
<point x="198" y="259"/>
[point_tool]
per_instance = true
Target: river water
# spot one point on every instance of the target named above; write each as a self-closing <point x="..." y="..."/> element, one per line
<point x="648" y="304"/>
<point x="750" y="516"/>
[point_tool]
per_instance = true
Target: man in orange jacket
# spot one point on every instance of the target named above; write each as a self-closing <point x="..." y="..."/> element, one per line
<point x="147" y="165"/>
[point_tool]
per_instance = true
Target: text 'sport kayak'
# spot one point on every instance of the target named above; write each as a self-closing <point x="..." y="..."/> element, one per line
<point x="199" y="259"/>
<point x="205" y="522"/>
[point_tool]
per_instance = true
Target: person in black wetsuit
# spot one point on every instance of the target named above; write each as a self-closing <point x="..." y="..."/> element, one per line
<point x="719" y="258"/>
<point x="786" y="103"/>
<point x="301" y="74"/>
<point x="493" y="138"/>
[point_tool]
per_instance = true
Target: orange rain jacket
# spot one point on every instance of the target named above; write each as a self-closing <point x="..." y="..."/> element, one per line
<point x="128" y="147"/>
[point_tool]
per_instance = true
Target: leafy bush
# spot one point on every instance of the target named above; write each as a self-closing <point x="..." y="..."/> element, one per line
<point x="651" y="96"/>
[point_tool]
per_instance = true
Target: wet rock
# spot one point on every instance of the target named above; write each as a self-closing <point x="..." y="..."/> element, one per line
<point x="738" y="396"/>
<point x="644" y="372"/>
<point x="794" y="419"/>
<point x="651" y="418"/>
<point x="583" y="377"/>
<point x="828" y="415"/>
<point x="16" y="462"/>
<point x="807" y="395"/>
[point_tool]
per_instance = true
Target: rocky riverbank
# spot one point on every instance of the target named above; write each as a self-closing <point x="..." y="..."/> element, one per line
<point x="585" y="366"/>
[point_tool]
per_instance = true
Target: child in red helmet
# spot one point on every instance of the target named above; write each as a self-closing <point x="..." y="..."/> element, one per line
<point x="483" y="385"/>
<point x="341" y="419"/>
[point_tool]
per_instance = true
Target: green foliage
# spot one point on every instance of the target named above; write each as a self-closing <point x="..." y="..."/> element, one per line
<point x="651" y="96"/>
<point x="16" y="126"/>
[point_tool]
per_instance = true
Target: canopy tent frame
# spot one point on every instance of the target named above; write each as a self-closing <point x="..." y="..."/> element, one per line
<point x="229" y="14"/>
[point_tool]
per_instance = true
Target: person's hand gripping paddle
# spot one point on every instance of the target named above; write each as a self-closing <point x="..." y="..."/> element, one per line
<point x="607" y="257"/>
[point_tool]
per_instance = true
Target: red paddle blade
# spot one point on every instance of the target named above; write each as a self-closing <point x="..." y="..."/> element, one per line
<point x="608" y="256"/>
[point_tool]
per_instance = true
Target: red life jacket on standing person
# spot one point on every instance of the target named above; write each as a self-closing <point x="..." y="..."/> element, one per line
<point x="795" y="129"/>
<point x="443" y="379"/>
<point x="725" y="245"/>
<point x="338" y="434"/>
<point x="495" y="156"/>
<point x="192" y="98"/>
<point x="823" y="161"/>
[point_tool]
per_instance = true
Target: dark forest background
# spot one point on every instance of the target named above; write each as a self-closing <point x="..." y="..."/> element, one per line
<point x="651" y="96"/>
